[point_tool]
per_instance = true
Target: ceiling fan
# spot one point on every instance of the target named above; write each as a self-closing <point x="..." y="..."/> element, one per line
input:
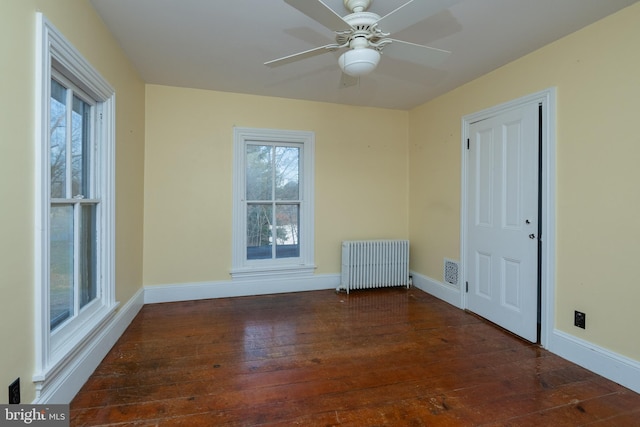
<point x="366" y="35"/>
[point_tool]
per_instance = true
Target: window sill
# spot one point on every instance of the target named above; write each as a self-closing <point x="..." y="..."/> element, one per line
<point x="64" y="356"/>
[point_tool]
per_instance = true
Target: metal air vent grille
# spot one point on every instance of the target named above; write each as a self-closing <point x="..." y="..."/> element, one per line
<point x="451" y="272"/>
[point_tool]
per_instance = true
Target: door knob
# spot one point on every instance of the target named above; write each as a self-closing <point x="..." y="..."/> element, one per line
<point x="528" y="222"/>
<point x="532" y="236"/>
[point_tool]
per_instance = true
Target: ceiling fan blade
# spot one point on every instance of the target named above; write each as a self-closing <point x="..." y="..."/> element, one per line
<point x="320" y="12"/>
<point x="301" y="55"/>
<point x="415" y="53"/>
<point x="411" y="13"/>
<point x="346" y="80"/>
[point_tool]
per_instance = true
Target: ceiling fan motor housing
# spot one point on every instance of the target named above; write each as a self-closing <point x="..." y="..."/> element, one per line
<point x="362" y="25"/>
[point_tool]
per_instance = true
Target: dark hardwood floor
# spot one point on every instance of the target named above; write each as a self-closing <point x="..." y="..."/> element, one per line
<point x="387" y="357"/>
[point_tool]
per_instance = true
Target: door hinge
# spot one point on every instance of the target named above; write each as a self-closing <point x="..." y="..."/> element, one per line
<point x="466" y="287"/>
<point x="467" y="143"/>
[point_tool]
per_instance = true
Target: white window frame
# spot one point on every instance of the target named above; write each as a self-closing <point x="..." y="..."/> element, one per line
<point x="304" y="265"/>
<point x="55" y="350"/>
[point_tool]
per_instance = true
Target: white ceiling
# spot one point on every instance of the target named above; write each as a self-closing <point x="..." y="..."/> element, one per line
<point x="222" y="45"/>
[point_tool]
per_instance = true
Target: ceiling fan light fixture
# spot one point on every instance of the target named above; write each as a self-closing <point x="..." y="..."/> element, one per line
<point x="358" y="62"/>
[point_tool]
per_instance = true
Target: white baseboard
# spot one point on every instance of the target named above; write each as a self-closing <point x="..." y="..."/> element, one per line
<point x="237" y="288"/>
<point x="613" y="366"/>
<point x="71" y="379"/>
<point x="440" y="290"/>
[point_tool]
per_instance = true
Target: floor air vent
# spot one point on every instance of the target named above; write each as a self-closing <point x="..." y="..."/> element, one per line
<point x="451" y="270"/>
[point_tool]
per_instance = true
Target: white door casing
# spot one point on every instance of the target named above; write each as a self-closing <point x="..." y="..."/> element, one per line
<point x="502" y="219"/>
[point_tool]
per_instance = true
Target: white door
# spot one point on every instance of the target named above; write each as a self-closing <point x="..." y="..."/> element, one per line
<point x="502" y="220"/>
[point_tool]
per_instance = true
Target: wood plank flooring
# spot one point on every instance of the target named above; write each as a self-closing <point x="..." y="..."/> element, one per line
<point x="387" y="357"/>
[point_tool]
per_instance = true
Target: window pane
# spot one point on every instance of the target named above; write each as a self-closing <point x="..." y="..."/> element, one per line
<point x="259" y="229"/>
<point x="259" y="172"/>
<point x="61" y="264"/>
<point x="58" y="135"/>
<point x="80" y="120"/>
<point x="287" y="231"/>
<point x="287" y="165"/>
<point x="87" y="255"/>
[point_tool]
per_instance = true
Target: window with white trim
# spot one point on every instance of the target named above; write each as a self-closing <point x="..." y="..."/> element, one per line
<point x="75" y="154"/>
<point x="273" y="202"/>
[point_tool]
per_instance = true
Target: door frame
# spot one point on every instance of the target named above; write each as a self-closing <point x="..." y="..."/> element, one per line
<point x="547" y="99"/>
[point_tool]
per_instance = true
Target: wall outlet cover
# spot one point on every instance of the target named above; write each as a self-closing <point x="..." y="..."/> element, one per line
<point x="580" y="319"/>
<point x="14" y="392"/>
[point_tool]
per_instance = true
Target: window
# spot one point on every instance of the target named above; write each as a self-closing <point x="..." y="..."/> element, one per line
<point x="273" y="202"/>
<point x="75" y="203"/>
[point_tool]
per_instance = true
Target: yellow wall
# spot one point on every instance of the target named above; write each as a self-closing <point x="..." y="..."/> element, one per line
<point x="79" y="23"/>
<point x="597" y="75"/>
<point x="360" y="184"/>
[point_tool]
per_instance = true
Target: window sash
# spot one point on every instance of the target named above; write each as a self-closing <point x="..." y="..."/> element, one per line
<point x="277" y="236"/>
<point x="78" y="285"/>
<point x="73" y="175"/>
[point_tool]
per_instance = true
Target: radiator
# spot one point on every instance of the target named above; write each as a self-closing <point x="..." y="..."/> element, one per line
<point x="374" y="264"/>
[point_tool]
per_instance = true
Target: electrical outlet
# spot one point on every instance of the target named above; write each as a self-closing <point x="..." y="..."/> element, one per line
<point x="14" y="392"/>
<point x="580" y="319"/>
